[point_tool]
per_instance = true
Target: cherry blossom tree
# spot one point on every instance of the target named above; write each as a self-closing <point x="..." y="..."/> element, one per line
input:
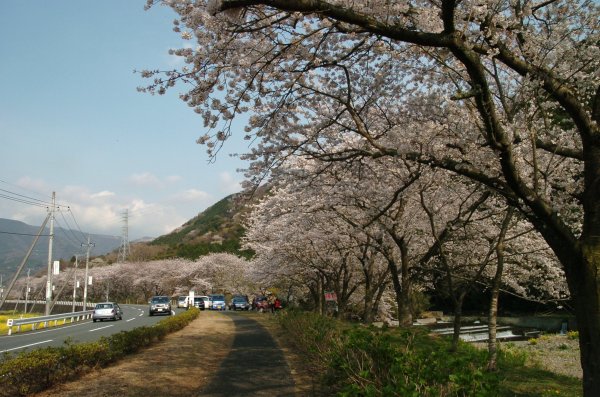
<point x="305" y="243"/>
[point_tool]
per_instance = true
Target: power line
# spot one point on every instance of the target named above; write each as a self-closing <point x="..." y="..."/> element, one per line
<point x="25" y="197"/>
<point x="29" y="190"/>
<point x="79" y="242"/>
<point x="75" y="220"/>
<point x="64" y="232"/>
<point x="25" y="234"/>
<point x="20" y="200"/>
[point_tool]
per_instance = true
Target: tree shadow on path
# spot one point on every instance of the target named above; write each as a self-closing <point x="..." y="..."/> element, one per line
<point x="255" y="365"/>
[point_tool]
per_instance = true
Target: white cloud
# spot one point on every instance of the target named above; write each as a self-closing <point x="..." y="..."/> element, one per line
<point x="173" y="178"/>
<point x="146" y="179"/>
<point x="101" y="211"/>
<point x="102" y="194"/>
<point x="192" y="195"/>
<point x="228" y="184"/>
<point x="31" y="184"/>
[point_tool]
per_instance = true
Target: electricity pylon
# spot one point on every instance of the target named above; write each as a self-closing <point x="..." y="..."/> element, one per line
<point x="124" y="249"/>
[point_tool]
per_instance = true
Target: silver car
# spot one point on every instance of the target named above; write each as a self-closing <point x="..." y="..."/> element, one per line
<point x="160" y="305"/>
<point x="217" y="302"/>
<point x="107" y="311"/>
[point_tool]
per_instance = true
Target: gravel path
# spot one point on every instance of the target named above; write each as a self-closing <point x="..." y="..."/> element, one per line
<point x="254" y="366"/>
<point x="218" y="354"/>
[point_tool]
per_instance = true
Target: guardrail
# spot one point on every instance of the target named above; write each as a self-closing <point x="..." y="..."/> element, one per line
<point x="43" y="302"/>
<point x="45" y="320"/>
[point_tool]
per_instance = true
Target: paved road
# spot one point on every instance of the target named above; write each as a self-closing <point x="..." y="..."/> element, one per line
<point x="255" y="366"/>
<point x="84" y="331"/>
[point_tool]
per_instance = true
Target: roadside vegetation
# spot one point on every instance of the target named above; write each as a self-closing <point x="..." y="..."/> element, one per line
<point x="358" y="360"/>
<point x="5" y="315"/>
<point x="33" y="371"/>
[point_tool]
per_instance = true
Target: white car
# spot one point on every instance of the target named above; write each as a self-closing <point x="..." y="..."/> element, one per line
<point x="201" y="302"/>
<point x="107" y="311"/>
<point x="183" y="301"/>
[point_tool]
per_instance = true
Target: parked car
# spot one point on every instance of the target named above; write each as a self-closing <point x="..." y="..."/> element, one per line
<point x="217" y="302"/>
<point x="201" y="302"/>
<point x="206" y="301"/>
<point x="182" y="301"/>
<point x="160" y="305"/>
<point x="260" y="303"/>
<point x="107" y="311"/>
<point x="239" y="303"/>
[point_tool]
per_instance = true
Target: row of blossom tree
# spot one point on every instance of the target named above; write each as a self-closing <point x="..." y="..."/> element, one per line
<point x="136" y="282"/>
<point x="502" y="94"/>
<point x="416" y="229"/>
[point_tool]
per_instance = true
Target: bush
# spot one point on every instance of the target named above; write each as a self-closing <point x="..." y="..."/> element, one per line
<point x="33" y="371"/>
<point x="574" y="335"/>
<point x="366" y="361"/>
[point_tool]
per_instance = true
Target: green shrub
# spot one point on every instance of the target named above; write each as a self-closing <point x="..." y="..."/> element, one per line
<point x="30" y="372"/>
<point x="574" y="335"/>
<point x="366" y="361"/>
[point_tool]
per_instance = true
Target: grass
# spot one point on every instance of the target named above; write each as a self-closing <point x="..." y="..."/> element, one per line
<point x="546" y="368"/>
<point x="4" y="316"/>
<point x="523" y="381"/>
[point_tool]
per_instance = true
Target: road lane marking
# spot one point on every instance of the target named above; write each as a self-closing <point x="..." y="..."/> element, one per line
<point x="97" y="329"/>
<point x="24" y="346"/>
<point x="131" y="319"/>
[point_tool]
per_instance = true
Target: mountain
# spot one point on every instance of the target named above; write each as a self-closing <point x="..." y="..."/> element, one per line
<point x="219" y="228"/>
<point x="16" y="238"/>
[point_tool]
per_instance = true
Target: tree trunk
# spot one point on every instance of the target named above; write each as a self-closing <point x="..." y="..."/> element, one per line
<point x="397" y="287"/>
<point x="493" y="313"/>
<point x="587" y="311"/>
<point x="492" y="320"/>
<point x="458" y="303"/>
<point x="587" y="274"/>
<point x="581" y="263"/>
<point x="368" y="313"/>
<point x="320" y="298"/>
<point x="405" y="310"/>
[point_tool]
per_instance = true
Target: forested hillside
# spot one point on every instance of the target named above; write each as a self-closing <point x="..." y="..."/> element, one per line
<point x="217" y="229"/>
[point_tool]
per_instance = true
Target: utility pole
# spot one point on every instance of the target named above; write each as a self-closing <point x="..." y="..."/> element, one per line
<point x="87" y="264"/>
<point x="26" y="292"/>
<point x="50" y="242"/>
<point x="16" y="276"/>
<point x="74" y="284"/>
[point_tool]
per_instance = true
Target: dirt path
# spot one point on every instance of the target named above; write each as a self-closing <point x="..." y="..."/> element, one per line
<point x="218" y="354"/>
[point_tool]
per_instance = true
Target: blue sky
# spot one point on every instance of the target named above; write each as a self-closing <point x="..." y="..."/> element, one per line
<point x="71" y="120"/>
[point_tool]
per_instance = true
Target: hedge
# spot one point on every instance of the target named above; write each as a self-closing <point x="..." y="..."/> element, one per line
<point x="36" y="370"/>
